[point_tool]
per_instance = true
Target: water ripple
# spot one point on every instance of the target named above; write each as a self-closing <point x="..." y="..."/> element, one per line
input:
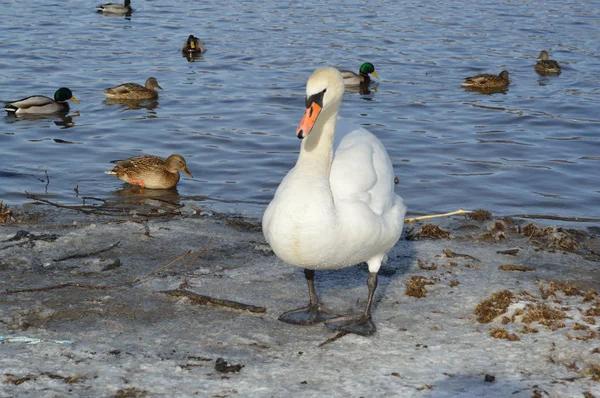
<point x="233" y="111"/>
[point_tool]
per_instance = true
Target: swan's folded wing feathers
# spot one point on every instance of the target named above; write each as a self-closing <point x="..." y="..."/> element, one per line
<point x="361" y="170"/>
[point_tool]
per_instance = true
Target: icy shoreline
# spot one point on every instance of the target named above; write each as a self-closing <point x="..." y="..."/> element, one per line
<point x="135" y="341"/>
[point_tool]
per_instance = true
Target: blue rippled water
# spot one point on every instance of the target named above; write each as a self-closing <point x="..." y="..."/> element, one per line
<point x="232" y="113"/>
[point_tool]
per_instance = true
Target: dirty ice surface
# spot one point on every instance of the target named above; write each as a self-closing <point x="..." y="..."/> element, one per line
<point x="137" y="341"/>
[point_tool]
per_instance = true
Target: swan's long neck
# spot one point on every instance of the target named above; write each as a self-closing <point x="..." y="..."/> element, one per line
<point x="316" y="152"/>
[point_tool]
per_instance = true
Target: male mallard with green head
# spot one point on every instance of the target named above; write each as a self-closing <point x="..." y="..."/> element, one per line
<point x="149" y="171"/>
<point x="40" y="104"/>
<point x="362" y="77"/>
<point x="193" y="45"/>
<point x="114" y="8"/>
<point x="546" y="65"/>
<point x="487" y="81"/>
<point x="134" y="91"/>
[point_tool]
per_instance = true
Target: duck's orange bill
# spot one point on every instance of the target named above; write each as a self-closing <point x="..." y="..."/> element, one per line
<point x="185" y="170"/>
<point x="193" y="45"/>
<point x="308" y="121"/>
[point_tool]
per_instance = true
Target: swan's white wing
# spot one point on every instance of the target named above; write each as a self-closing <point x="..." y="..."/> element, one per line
<point x="362" y="170"/>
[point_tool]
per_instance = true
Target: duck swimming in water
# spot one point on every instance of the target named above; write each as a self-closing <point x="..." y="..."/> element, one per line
<point x="360" y="78"/>
<point x="40" y="104"/>
<point x="150" y="171"/>
<point x="487" y="81"/>
<point x="545" y="65"/>
<point x="115" y="8"/>
<point x="134" y="91"/>
<point x="193" y="45"/>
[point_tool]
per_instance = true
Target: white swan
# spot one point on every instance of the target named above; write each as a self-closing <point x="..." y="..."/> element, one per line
<point x="332" y="212"/>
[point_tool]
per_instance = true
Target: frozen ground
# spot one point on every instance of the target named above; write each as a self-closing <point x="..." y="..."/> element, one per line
<point x="136" y="341"/>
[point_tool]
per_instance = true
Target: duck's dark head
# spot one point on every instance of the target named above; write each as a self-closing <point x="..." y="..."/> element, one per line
<point x="63" y="94"/>
<point x="368" y="68"/>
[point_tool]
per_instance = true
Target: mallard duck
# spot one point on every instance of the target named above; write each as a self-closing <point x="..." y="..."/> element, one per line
<point x="40" y="104"/>
<point x="134" y="91"/>
<point x="150" y="171"/>
<point x="334" y="209"/>
<point x="193" y="45"/>
<point x="487" y="81"/>
<point x="115" y="8"/>
<point x="362" y="77"/>
<point x="545" y="65"/>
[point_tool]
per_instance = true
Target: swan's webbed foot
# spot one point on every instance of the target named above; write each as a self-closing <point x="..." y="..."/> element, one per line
<point x="309" y="315"/>
<point x="357" y="324"/>
<point x="314" y="312"/>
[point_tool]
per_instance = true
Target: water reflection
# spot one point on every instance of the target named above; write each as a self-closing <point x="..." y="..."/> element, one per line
<point x="148" y="202"/>
<point x="191" y="57"/>
<point x="487" y="91"/>
<point x="419" y="114"/>
<point x="67" y="121"/>
<point x="62" y="119"/>
<point x="137" y="192"/>
<point x="126" y="16"/>
<point x="542" y="73"/>
<point x="545" y="78"/>
<point x="133" y="104"/>
<point x="363" y="89"/>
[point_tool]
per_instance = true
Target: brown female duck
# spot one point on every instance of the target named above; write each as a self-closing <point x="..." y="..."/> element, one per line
<point x="545" y="65"/>
<point x="487" y="81"/>
<point x="150" y="171"/>
<point x="134" y="91"/>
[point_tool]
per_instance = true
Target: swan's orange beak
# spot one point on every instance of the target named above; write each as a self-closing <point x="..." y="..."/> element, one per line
<point x="308" y="121"/>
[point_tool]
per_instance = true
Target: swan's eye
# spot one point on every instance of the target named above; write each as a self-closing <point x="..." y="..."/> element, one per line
<point x="317" y="98"/>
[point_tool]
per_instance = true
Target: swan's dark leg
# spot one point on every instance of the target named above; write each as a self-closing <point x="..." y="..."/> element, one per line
<point x="358" y="324"/>
<point x="314" y="313"/>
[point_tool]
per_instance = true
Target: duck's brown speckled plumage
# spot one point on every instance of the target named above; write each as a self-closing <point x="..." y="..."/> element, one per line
<point x="134" y="91"/>
<point x="487" y="81"/>
<point x="150" y="171"/>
